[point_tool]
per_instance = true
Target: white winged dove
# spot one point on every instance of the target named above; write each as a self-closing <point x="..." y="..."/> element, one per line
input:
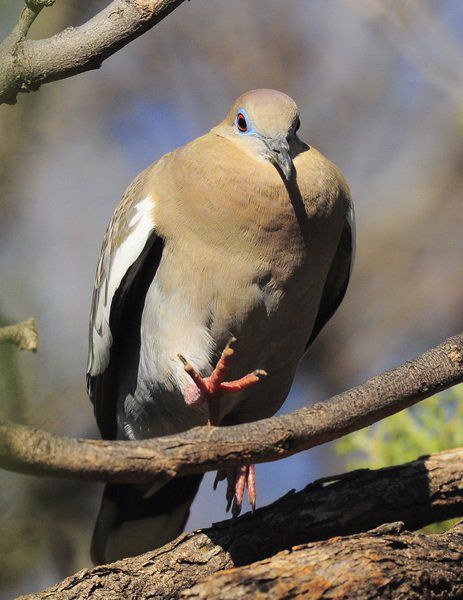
<point x="244" y="233"/>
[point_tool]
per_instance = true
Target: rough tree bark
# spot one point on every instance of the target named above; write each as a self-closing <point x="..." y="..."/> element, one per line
<point x="26" y="64"/>
<point x="202" y="449"/>
<point x="418" y="493"/>
<point x="382" y="563"/>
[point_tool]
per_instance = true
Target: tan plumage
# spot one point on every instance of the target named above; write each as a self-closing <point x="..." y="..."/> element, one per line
<point x="237" y="233"/>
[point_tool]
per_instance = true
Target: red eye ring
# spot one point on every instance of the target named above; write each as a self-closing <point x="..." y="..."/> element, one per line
<point x="241" y="122"/>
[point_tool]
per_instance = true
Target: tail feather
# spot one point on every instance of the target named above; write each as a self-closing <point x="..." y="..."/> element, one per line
<point x="133" y="520"/>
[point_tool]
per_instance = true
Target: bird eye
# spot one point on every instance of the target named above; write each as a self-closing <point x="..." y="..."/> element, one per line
<point x="241" y="122"/>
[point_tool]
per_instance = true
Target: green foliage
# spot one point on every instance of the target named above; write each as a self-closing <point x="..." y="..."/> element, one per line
<point x="433" y="425"/>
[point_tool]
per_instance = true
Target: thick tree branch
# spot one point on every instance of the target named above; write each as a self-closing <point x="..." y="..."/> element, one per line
<point x="202" y="449"/>
<point x="24" y="335"/>
<point x="27" y="64"/>
<point x="383" y="563"/>
<point x="418" y="493"/>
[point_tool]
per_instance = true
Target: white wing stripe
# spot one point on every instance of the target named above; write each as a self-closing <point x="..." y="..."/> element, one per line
<point x="140" y="226"/>
<point x="351" y="221"/>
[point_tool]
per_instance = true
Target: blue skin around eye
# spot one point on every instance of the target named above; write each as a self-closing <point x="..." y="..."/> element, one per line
<point x="250" y="130"/>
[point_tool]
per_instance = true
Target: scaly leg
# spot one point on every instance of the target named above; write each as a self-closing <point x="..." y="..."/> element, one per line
<point x="210" y="389"/>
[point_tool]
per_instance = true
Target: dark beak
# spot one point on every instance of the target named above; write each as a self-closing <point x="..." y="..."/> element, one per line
<point x="280" y="156"/>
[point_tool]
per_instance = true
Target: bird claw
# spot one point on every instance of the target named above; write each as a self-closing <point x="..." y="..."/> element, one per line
<point x="219" y="476"/>
<point x="238" y="479"/>
<point x="209" y="389"/>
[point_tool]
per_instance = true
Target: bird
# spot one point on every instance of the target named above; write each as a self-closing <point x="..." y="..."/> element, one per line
<point x="220" y="266"/>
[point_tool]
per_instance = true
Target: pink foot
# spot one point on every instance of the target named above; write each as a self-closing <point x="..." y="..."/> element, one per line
<point x="209" y="389"/>
<point x="238" y="479"/>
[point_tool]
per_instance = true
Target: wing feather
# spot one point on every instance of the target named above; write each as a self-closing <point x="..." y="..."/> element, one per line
<point x="338" y="276"/>
<point x="129" y="257"/>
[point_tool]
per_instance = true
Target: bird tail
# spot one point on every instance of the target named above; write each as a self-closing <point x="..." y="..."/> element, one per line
<point x="133" y="519"/>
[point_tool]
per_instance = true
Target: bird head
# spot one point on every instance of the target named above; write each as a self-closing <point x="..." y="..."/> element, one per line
<point x="264" y="123"/>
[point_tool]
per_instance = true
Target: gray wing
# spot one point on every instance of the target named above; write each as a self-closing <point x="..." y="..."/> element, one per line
<point x="130" y="255"/>
<point x="338" y="277"/>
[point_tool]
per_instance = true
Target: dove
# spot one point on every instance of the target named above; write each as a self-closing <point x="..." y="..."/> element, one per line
<point x="221" y="265"/>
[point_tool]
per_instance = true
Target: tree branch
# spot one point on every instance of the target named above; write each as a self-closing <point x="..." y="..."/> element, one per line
<point x="27" y="64"/>
<point x="382" y="563"/>
<point x="202" y="449"/>
<point x="418" y="493"/>
<point x="28" y="15"/>
<point x="24" y="335"/>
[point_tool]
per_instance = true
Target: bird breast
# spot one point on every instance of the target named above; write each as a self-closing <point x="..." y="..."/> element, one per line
<point x="243" y="256"/>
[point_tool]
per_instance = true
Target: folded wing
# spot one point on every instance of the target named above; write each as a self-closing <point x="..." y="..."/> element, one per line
<point x="130" y="255"/>
<point x="338" y="277"/>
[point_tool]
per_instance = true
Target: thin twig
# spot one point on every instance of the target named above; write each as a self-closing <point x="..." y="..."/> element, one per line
<point x="28" y="15"/>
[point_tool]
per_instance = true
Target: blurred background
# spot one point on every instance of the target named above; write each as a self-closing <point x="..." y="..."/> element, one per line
<point x="380" y="89"/>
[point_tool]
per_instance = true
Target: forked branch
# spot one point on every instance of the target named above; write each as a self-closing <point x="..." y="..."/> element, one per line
<point x="26" y="64"/>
